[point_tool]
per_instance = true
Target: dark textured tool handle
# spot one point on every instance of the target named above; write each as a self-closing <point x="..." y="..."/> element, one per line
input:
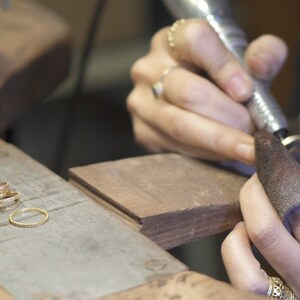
<point x="262" y="106"/>
<point x="279" y="173"/>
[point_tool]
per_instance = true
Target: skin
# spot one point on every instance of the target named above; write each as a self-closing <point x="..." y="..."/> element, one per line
<point x="203" y="116"/>
<point x="266" y="231"/>
<point x="197" y="116"/>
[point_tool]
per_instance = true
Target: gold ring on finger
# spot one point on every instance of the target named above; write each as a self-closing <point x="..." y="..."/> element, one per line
<point x="278" y="290"/>
<point x="170" y="36"/>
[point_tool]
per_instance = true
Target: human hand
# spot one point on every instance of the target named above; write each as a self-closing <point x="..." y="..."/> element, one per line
<point x="262" y="227"/>
<point x="197" y="116"/>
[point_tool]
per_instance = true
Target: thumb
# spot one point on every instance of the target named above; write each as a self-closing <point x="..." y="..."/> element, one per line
<point x="265" y="56"/>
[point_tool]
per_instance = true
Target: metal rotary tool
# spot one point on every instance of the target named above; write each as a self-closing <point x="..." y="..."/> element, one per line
<point x="277" y="168"/>
<point x="264" y="110"/>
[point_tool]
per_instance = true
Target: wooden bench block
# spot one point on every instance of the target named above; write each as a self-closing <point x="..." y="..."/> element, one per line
<point x="34" y="57"/>
<point x="169" y="198"/>
<point x="184" y="286"/>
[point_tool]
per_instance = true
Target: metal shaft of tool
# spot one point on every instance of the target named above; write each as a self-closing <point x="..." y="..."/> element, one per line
<point x="263" y="108"/>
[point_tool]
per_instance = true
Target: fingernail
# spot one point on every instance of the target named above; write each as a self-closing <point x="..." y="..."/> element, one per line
<point x="240" y="87"/>
<point x="245" y="152"/>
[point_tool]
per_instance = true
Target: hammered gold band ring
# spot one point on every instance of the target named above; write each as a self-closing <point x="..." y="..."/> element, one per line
<point x="25" y="211"/>
<point x="9" y="201"/>
<point x="4" y="194"/>
<point x="170" y="36"/>
<point x="278" y="290"/>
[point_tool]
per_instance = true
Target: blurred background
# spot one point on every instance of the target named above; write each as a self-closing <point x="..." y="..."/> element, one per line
<point x="62" y="133"/>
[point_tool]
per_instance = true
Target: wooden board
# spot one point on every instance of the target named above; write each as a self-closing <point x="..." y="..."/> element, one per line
<point x="170" y="198"/>
<point x="34" y="57"/>
<point x="82" y="252"/>
<point x="186" y="285"/>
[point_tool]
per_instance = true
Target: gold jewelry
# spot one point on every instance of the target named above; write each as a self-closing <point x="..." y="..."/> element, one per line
<point x="158" y="87"/>
<point x="4" y="189"/>
<point x="4" y="186"/>
<point x="26" y="210"/>
<point x="278" y="290"/>
<point x="10" y="201"/>
<point x="170" y="36"/>
<point x="4" y="194"/>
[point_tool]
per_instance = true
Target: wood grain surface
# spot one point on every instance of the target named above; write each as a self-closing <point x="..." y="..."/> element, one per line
<point x="82" y="252"/>
<point x="186" y="285"/>
<point x="170" y="198"/>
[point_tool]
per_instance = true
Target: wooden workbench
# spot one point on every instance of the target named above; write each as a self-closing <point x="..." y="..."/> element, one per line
<point x="84" y="251"/>
<point x="170" y="198"/>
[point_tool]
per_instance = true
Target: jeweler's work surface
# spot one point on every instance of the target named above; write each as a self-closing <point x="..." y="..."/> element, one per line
<point x="186" y="285"/>
<point x="82" y="252"/>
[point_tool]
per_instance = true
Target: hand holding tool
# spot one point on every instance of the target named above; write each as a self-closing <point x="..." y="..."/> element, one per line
<point x="262" y="106"/>
<point x="277" y="168"/>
